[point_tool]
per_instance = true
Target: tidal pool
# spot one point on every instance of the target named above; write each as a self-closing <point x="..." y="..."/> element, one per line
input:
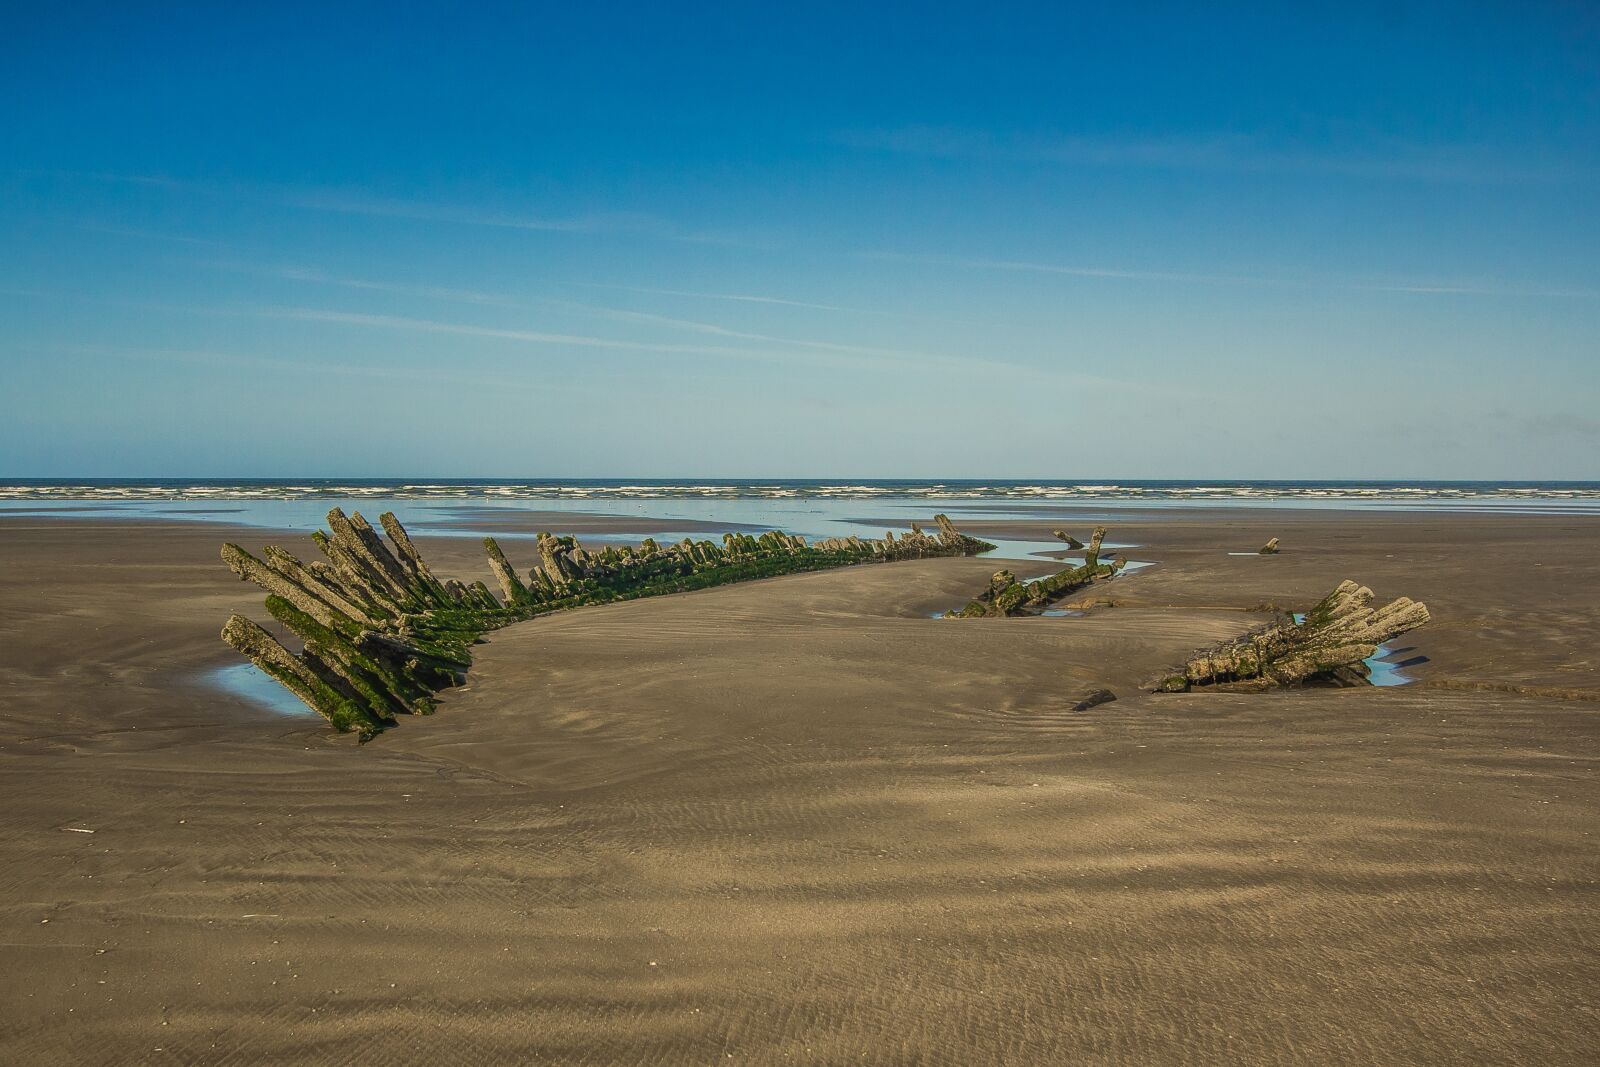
<point x="1385" y="665"/>
<point x="253" y="685"/>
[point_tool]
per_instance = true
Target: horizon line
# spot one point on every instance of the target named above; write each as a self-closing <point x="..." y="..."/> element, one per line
<point x="702" y="481"/>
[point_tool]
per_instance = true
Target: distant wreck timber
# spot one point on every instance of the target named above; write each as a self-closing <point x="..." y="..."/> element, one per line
<point x="1007" y="597"/>
<point x="381" y="634"/>
<point x="1327" y="646"/>
<point x="1268" y="549"/>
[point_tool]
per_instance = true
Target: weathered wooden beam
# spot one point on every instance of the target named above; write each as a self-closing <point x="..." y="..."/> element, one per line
<point x="510" y="585"/>
<point x="355" y="575"/>
<point x="420" y="578"/>
<point x="323" y="590"/>
<point x="380" y="574"/>
<point x="1091" y="555"/>
<point x="277" y="583"/>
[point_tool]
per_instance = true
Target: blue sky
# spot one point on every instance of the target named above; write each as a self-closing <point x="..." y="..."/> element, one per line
<point x="1054" y="241"/>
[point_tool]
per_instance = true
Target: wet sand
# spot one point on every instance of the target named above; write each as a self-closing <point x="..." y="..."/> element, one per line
<point x="799" y="821"/>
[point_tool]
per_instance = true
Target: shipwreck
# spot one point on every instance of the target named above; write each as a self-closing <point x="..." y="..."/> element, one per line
<point x="381" y="634"/>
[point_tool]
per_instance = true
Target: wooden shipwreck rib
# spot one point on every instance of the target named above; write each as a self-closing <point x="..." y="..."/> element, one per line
<point x="1328" y="645"/>
<point x="1008" y="597"/>
<point x="381" y="634"/>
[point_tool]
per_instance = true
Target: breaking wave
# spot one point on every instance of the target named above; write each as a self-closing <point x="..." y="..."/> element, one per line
<point x="1438" y="493"/>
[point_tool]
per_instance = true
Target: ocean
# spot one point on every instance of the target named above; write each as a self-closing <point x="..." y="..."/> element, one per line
<point x="1102" y="491"/>
<point x="811" y="507"/>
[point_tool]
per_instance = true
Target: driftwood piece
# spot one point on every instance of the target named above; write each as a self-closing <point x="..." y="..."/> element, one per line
<point x="1006" y="596"/>
<point x="1093" y="699"/>
<point x="1328" y="645"/>
<point x="1269" y="549"/>
<point x="380" y="634"/>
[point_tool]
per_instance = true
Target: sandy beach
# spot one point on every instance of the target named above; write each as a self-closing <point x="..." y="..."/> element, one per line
<point x="799" y="820"/>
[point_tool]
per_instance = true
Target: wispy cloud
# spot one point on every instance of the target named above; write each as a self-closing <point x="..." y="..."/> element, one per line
<point x="775" y="349"/>
<point x="314" y="276"/>
<point x="850" y="358"/>
<point x="154" y="181"/>
<point x="538" y="337"/>
<point x="1226" y="279"/>
<point x="1066" y="269"/>
<point x="750" y="298"/>
<point x="620" y="223"/>
<point x="647" y="318"/>
<point x="1223" y="152"/>
<point x="635" y="224"/>
<point x="148" y="235"/>
<point x="610" y="313"/>
<point x="1475" y="289"/>
<point x="314" y="368"/>
<point x="742" y="298"/>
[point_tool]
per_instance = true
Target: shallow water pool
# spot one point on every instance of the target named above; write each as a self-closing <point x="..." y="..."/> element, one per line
<point x="1383" y="670"/>
<point x="253" y="685"/>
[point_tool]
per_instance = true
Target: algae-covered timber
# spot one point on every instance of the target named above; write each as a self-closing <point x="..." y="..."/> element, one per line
<point x="1327" y="646"/>
<point x="1006" y="596"/>
<point x="380" y="634"/>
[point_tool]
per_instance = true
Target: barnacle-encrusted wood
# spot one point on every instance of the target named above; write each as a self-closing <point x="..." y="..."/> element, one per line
<point x="1006" y="596"/>
<point x="1328" y="645"/>
<point x="381" y="634"/>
